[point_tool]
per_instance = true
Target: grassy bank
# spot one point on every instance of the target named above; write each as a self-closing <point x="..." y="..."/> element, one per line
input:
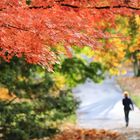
<point x="132" y="85"/>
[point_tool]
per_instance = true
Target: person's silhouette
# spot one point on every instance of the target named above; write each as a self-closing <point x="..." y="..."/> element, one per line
<point x="128" y="105"/>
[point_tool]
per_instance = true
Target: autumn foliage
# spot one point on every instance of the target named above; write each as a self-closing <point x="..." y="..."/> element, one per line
<point x="33" y="30"/>
<point x="85" y="134"/>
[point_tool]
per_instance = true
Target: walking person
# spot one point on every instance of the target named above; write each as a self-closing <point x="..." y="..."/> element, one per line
<point x="128" y="105"/>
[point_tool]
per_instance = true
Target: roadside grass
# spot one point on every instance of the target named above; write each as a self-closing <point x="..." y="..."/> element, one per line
<point x="69" y="122"/>
<point x="132" y="85"/>
<point x="136" y="100"/>
<point x="72" y="119"/>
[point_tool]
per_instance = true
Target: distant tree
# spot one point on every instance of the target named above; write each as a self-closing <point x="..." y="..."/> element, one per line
<point x="133" y="50"/>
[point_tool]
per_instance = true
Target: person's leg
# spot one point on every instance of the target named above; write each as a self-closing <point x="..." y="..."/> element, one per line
<point x="126" y="117"/>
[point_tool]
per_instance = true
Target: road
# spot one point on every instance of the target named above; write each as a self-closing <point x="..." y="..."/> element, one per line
<point x="101" y="106"/>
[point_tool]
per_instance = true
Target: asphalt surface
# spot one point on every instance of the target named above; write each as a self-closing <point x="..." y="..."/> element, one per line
<point x="101" y="106"/>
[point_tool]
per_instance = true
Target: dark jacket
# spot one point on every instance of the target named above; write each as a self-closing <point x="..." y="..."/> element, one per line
<point x="127" y="102"/>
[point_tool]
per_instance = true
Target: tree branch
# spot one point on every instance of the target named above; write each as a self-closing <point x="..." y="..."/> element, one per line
<point x="71" y="6"/>
<point x="99" y="8"/>
<point x="77" y="7"/>
<point x="116" y="7"/>
<point x="11" y="26"/>
<point x="104" y="7"/>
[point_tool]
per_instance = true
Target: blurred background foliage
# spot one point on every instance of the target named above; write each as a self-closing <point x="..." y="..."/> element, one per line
<point x="38" y="102"/>
<point x="31" y="109"/>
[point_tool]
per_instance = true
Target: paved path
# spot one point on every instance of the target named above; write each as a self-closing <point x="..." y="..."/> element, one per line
<point x="101" y="106"/>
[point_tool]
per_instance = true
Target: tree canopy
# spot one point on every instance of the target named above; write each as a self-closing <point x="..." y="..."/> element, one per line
<point x="33" y="28"/>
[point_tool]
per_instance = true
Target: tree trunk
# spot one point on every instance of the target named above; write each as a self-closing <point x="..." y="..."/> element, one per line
<point x="136" y="66"/>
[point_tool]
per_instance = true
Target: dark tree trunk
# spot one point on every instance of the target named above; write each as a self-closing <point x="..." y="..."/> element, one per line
<point x="136" y="66"/>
